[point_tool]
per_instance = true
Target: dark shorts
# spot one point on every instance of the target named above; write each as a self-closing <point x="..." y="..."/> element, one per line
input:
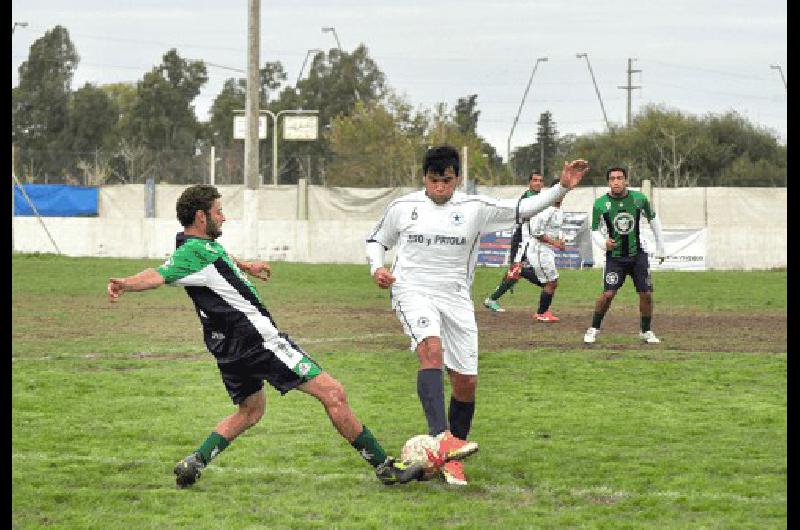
<point x="245" y="374"/>
<point x="617" y="269"/>
<point x="529" y="274"/>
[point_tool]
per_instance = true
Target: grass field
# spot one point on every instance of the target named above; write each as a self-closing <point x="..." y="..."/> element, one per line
<point x="689" y="434"/>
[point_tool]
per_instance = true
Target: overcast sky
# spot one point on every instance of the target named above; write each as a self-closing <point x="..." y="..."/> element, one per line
<point x="697" y="56"/>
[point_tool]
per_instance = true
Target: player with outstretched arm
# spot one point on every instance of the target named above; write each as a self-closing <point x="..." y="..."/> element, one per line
<point x="437" y="231"/>
<point x="245" y="341"/>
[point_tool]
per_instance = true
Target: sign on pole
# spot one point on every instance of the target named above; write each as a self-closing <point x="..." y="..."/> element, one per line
<point x="300" y="127"/>
<point x="240" y="126"/>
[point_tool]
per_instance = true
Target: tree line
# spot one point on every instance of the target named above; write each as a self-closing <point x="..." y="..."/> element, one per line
<point x="369" y="135"/>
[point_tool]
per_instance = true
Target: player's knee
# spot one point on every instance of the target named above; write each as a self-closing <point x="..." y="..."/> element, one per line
<point x="252" y="414"/>
<point x="430" y="353"/>
<point x="464" y="387"/>
<point x="334" y="396"/>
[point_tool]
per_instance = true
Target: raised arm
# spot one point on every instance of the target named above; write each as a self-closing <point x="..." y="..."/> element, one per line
<point x="571" y="175"/>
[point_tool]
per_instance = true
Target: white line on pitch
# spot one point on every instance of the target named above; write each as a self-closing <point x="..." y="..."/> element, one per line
<point x="590" y="491"/>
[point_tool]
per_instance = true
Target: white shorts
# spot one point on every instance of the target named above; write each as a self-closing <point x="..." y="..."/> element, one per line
<point x="450" y="316"/>
<point x="543" y="262"/>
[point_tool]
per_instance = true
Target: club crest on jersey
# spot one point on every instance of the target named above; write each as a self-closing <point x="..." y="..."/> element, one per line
<point x="414" y="214"/>
<point x="456" y="218"/>
<point x="612" y="278"/>
<point x="608" y="205"/>
<point x="423" y="322"/>
<point x="303" y="368"/>
<point x="623" y="223"/>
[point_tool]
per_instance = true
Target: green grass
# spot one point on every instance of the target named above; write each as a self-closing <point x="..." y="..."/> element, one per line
<point x="107" y="398"/>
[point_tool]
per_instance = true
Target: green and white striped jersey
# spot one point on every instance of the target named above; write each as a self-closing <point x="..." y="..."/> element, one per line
<point x="621" y="219"/>
<point x="233" y="316"/>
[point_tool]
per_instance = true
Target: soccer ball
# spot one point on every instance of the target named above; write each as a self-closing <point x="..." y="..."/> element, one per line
<point x="423" y="449"/>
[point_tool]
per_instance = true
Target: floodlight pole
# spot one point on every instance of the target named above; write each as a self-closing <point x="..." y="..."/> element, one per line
<point x="780" y="71"/>
<point x="315" y="50"/>
<point x="516" y="118"/>
<point x="597" y="90"/>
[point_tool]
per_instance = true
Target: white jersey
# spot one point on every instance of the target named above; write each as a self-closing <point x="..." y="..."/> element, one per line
<point x="549" y="223"/>
<point x="437" y="245"/>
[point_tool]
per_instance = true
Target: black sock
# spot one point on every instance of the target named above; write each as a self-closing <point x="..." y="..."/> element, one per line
<point x="504" y="286"/>
<point x="597" y="318"/>
<point x="646" y="323"/>
<point x="430" y="389"/>
<point x="461" y="417"/>
<point x="545" y="299"/>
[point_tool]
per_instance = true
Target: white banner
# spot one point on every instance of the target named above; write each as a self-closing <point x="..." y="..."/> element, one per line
<point x="686" y="248"/>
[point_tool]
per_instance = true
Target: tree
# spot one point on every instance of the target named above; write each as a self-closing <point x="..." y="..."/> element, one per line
<point x="466" y="115"/>
<point x="370" y="149"/>
<point x="162" y="117"/>
<point x="673" y="148"/>
<point x="40" y="103"/>
<point x="539" y="156"/>
<point x="92" y="120"/>
<point x="336" y="81"/>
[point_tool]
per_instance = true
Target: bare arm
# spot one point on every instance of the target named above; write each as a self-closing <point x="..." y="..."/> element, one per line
<point x="259" y="269"/>
<point x="147" y="279"/>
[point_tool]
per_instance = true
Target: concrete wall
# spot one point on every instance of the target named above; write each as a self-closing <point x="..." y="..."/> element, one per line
<point x="746" y="226"/>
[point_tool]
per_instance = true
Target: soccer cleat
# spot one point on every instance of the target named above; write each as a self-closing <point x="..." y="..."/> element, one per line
<point x="453" y="448"/>
<point x="453" y="472"/>
<point x="393" y="472"/>
<point x="547" y="316"/>
<point x="649" y="337"/>
<point x="187" y="471"/>
<point x="493" y="305"/>
<point x="591" y="335"/>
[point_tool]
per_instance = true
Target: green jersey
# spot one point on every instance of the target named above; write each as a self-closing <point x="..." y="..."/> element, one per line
<point x="621" y="217"/>
<point x="233" y="316"/>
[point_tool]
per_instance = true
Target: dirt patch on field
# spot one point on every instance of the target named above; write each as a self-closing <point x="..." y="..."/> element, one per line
<point x="346" y="328"/>
<point x="719" y="332"/>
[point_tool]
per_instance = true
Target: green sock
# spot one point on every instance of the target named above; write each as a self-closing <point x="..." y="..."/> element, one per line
<point x="646" y="324"/>
<point x="212" y="446"/>
<point x="597" y="318"/>
<point x="369" y="448"/>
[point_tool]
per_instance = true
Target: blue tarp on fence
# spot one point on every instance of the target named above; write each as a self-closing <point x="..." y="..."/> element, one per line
<point x="56" y="200"/>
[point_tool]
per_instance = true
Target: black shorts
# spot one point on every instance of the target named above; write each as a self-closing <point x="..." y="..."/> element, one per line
<point x="529" y="274"/>
<point x="244" y="375"/>
<point x="617" y="269"/>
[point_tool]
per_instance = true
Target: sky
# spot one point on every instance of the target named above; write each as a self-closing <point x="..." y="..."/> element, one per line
<point x="696" y="56"/>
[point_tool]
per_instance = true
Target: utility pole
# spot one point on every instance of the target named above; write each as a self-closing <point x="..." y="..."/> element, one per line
<point x="597" y="90"/>
<point x="629" y="88"/>
<point x="251" y="175"/>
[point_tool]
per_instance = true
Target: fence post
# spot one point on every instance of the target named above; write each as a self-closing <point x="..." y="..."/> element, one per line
<point x="302" y="199"/>
<point x="150" y="197"/>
